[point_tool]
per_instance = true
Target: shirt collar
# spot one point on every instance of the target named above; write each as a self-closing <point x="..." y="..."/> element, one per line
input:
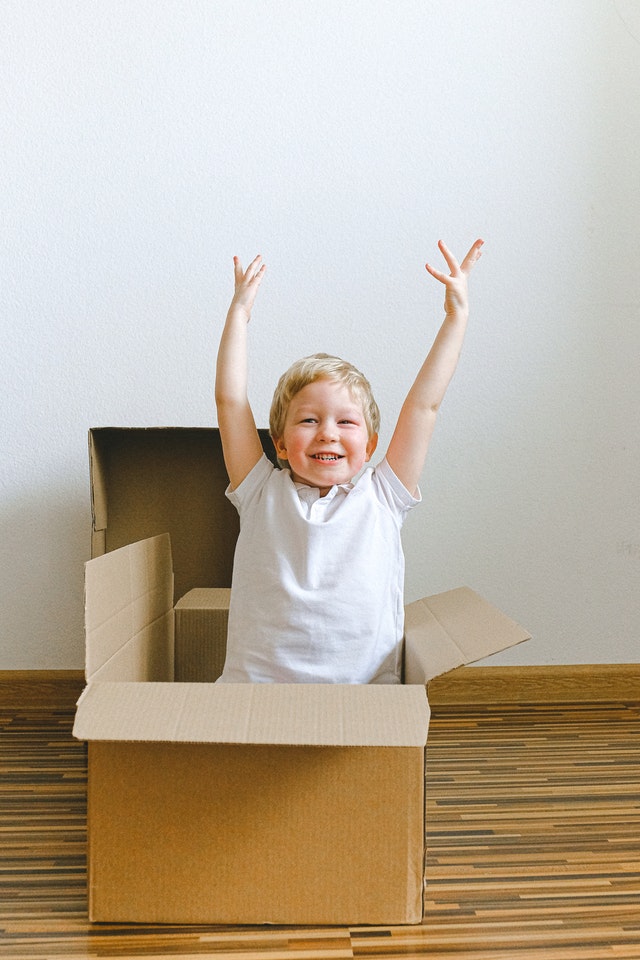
<point x="311" y="494"/>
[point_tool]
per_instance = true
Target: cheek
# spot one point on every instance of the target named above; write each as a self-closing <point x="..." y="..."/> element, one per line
<point x="292" y="442"/>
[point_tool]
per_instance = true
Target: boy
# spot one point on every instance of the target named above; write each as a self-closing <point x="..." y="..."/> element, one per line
<point x="317" y="589"/>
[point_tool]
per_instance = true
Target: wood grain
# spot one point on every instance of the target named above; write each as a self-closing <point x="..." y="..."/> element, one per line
<point x="58" y="689"/>
<point x="533" y="821"/>
<point x="558" y="683"/>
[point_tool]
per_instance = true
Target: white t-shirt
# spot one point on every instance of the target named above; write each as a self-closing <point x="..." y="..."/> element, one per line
<point x="317" y="589"/>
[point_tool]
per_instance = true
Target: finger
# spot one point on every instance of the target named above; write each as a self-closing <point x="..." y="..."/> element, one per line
<point x="452" y="263"/>
<point x="258" y="275"/>
<point x="472" y="257"/>
<point x="442" y="277"/>
<point x="238" y="272"/>
<point x="254" y="268"/>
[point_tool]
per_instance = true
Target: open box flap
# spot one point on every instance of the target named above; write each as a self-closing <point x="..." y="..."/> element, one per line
<point x="286" y="714"/>
<point x="129" y="620"/>
<point x="450" y="629"/>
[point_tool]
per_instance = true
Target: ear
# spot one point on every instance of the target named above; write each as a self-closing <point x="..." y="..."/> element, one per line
<point x="372" y="443"/>
<point x="281" y="450"/>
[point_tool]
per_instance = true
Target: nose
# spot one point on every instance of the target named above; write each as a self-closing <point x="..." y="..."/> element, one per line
<point x="328" y="431"/>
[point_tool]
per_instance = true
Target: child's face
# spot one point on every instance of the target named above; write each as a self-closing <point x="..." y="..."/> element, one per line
<point x="325" y="437"/>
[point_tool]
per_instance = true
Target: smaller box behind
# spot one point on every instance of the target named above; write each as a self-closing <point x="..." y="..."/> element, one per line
<point x="202" y="617"/>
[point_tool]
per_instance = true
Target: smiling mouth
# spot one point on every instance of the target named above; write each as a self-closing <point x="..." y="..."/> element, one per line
<point x="326" y="457"/>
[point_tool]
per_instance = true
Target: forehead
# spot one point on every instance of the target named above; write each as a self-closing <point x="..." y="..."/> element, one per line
<point x="325" y="392"/>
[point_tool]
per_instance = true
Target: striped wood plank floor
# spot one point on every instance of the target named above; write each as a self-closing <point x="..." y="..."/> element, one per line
<point x="533" y="847"/>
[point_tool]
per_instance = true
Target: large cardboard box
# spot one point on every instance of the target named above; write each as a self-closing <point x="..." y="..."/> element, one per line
<point x="292" y="804"/>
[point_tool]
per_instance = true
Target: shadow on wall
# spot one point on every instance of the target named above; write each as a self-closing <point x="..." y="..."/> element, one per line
<point x="44" y="542"/>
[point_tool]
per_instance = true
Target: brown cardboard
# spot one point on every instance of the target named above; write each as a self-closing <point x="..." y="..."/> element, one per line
<point x="129" y="621"/>
<point x="309" y="715"/>
<point x="151" y="480"/>
<point x="216" y="833"/>
<point x="201" y="619"/>
<point x="451" y="629"/>
<point x="243" y="803"/>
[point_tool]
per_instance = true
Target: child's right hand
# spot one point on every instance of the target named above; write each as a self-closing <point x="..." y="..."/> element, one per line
<point x="247" y="283"/>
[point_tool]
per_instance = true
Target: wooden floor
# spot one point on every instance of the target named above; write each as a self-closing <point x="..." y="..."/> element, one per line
<point x="533" y="847"/>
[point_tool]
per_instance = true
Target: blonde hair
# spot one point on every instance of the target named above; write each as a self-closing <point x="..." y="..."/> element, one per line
<point x="322" y="366"/>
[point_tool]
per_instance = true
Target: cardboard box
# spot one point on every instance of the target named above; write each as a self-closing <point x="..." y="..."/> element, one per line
<point x="249" y="803"/>
<point x="151" y="480"/>
<point x="201" y="622"/>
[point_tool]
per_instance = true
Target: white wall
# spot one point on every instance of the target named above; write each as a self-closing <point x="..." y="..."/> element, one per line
<point x="146" y="141"/>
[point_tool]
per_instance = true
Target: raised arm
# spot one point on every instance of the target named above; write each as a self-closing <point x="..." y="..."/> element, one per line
<point x="410" y="441"/>
<point x="240" y="440"/>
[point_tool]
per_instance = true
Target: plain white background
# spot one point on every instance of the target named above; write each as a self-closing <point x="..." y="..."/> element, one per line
<point x="144" y="143"/>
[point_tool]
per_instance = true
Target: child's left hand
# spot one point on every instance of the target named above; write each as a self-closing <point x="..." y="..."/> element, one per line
<point x="456" y="299"/>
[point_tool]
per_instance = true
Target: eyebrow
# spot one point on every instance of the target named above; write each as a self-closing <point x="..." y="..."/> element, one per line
<point x="351" y="411"/>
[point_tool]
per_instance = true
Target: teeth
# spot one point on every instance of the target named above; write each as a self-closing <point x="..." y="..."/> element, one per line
<point x="325" y="456"/>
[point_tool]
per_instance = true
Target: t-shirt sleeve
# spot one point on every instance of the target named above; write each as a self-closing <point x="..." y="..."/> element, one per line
<point x="251" y="485"/>
<point x="394" y="489"/>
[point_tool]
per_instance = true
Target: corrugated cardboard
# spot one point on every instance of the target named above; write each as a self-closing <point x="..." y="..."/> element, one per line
<point x="452" y="629"/>
<point x="129" y="621"/>
<point x="218" y="833"/>
<point x="202" y="618"/>
<point x="293" y="804"/>
<point x="308" y="715"/>
<point x="241" y="803"/>
<point x="151" y="480"/>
